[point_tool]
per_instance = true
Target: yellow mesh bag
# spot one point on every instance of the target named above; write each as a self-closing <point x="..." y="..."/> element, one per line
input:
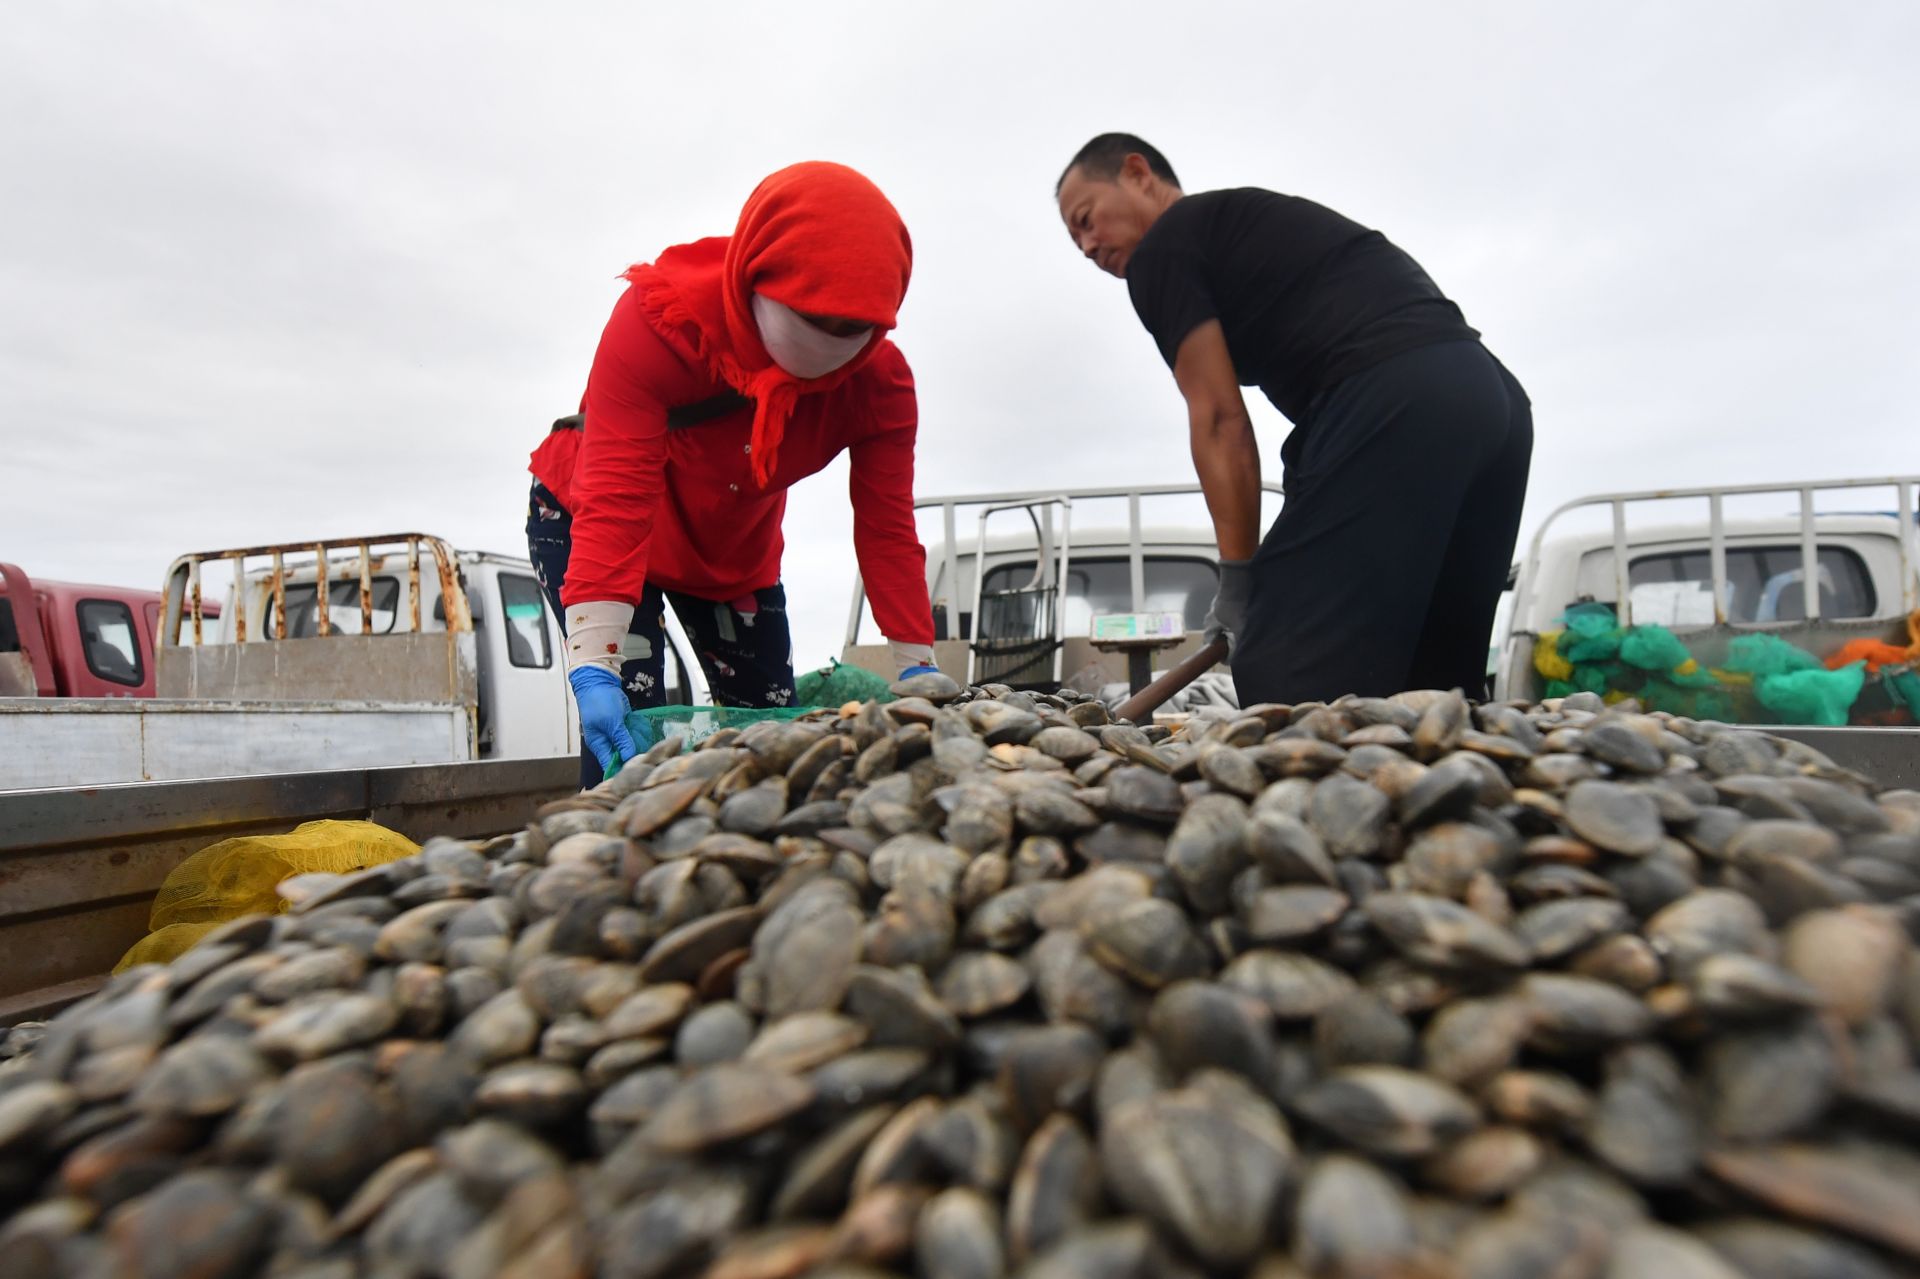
<point x="1547" y="659"/>
<point x="237" y="877"/>
<point x="165" y="945"/>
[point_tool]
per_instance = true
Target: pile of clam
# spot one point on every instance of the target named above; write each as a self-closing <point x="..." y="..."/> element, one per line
<point x="975" y="983"/>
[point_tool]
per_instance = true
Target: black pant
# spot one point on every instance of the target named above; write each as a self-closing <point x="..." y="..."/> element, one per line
<point x="744" y="646"/>
<point x="1383" y="570"/>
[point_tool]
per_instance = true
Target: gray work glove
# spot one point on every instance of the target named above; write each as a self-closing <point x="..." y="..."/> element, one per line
<point x="1229" y="609"/>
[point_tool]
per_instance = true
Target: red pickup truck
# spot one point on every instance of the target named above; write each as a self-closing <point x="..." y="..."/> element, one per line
<point x="72" y="639"/>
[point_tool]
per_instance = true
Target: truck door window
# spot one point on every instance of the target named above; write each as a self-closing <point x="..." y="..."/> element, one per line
<point x="109" y="640"/>
<point x="1763" y="585"/>
<point x="525" y="611"/>
<point x="9" y="633"/>
<point x="343" y="608"/>
<point x="1184" y="586"/>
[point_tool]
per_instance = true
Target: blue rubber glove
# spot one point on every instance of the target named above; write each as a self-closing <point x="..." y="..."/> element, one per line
<point x="642" y="736"/>
<point x="911" y="671"/>
<point x="603" y="715"/>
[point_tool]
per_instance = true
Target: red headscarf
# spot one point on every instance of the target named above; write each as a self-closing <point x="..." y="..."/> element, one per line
<point x="817" y="237"/>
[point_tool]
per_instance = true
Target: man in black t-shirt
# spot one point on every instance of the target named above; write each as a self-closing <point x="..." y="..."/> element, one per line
<point x="1407" y="464"/>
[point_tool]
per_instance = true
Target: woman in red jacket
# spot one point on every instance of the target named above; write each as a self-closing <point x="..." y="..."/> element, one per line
<point x="733" y="367"/>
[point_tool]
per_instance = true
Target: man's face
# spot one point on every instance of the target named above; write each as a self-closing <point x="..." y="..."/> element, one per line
<point x="1107" y="216"/>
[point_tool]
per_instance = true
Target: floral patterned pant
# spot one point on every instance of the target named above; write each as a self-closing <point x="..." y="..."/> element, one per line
<point x="743" y="646"/>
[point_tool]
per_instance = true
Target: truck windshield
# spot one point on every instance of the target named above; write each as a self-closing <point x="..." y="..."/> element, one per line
<point x="1764" y="584"/>
<point x="343" y="608"/>
<point x="9" y="633"/>
<point x="1103" y="585"/>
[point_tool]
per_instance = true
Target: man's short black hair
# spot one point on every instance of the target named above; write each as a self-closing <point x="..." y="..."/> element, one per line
<point x="1102" y="158"/>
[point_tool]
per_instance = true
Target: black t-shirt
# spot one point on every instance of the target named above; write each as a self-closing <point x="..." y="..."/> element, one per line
<point x="1304" y="295"/>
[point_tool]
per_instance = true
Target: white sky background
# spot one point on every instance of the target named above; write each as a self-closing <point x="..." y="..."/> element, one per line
<point x="271" y="272"/>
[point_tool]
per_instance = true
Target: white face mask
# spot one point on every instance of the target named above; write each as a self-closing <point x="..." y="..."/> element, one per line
<point x="799" y="347"/>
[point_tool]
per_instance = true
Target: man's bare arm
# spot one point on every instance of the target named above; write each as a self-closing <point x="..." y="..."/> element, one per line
<point x="1220" y="434"/>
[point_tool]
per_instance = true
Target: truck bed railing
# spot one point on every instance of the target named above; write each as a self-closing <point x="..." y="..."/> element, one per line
<point x="1904" y="487"/>
<point x="410" y="664"/>
<point x="949" y="596"/>
<point x="184" y="605"/>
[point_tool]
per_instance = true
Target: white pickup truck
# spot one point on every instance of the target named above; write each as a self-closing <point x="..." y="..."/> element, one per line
<point x="1016" y="624"/>
<point x="337" y="654"/>
<point x="1816" y="564"/>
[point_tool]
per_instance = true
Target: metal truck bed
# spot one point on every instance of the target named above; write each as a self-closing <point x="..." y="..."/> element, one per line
<point x="56" y="742"/>
<point x="79" y="867"/>
<point x="1890" y="756"/>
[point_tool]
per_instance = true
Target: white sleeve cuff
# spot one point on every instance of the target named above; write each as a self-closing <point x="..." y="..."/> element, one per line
<point x="597" y="634"/>
<point x="909" y="655"/>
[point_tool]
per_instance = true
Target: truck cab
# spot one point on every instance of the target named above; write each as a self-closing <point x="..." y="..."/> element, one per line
<point x="76" y="639"/>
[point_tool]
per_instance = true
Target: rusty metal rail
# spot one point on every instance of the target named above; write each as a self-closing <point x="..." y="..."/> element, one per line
<point x="185" y="607"/>
<point x="245" y="662"/>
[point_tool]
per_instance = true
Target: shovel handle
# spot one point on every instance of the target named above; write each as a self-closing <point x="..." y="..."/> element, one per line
<point x="1147" y="700"/>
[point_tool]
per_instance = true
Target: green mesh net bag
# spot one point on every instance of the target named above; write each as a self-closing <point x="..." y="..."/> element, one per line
<point x="1792" y="684"/>
<point x="1764" y="655"/>
<point x="1766" y="679"/>
<point x="837" y="683"/>
<point x="1812" y="696"/>
<point x="1688" y="676"/>
<point x="830" y="687"/>
<point x="1592" y="634"/>
<point x="697" y="723"/>
<point x="1903" y="687"/>
<point x="826" y="689"/>
<point x="1653" y="648"/>
<point x="1665" y="694"/>
<point x="1715" y="705"/>
<point x="1604" y="677"/>
<point x="1659" y="695"/>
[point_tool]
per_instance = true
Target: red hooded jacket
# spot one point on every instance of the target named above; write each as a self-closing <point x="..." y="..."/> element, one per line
<point x="698" y="509"/>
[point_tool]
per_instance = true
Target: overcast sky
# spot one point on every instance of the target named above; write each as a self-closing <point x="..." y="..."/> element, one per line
<point x="277" y="271"/>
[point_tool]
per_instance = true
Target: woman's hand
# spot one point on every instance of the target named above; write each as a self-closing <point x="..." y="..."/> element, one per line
<point x="603" y="714"/>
